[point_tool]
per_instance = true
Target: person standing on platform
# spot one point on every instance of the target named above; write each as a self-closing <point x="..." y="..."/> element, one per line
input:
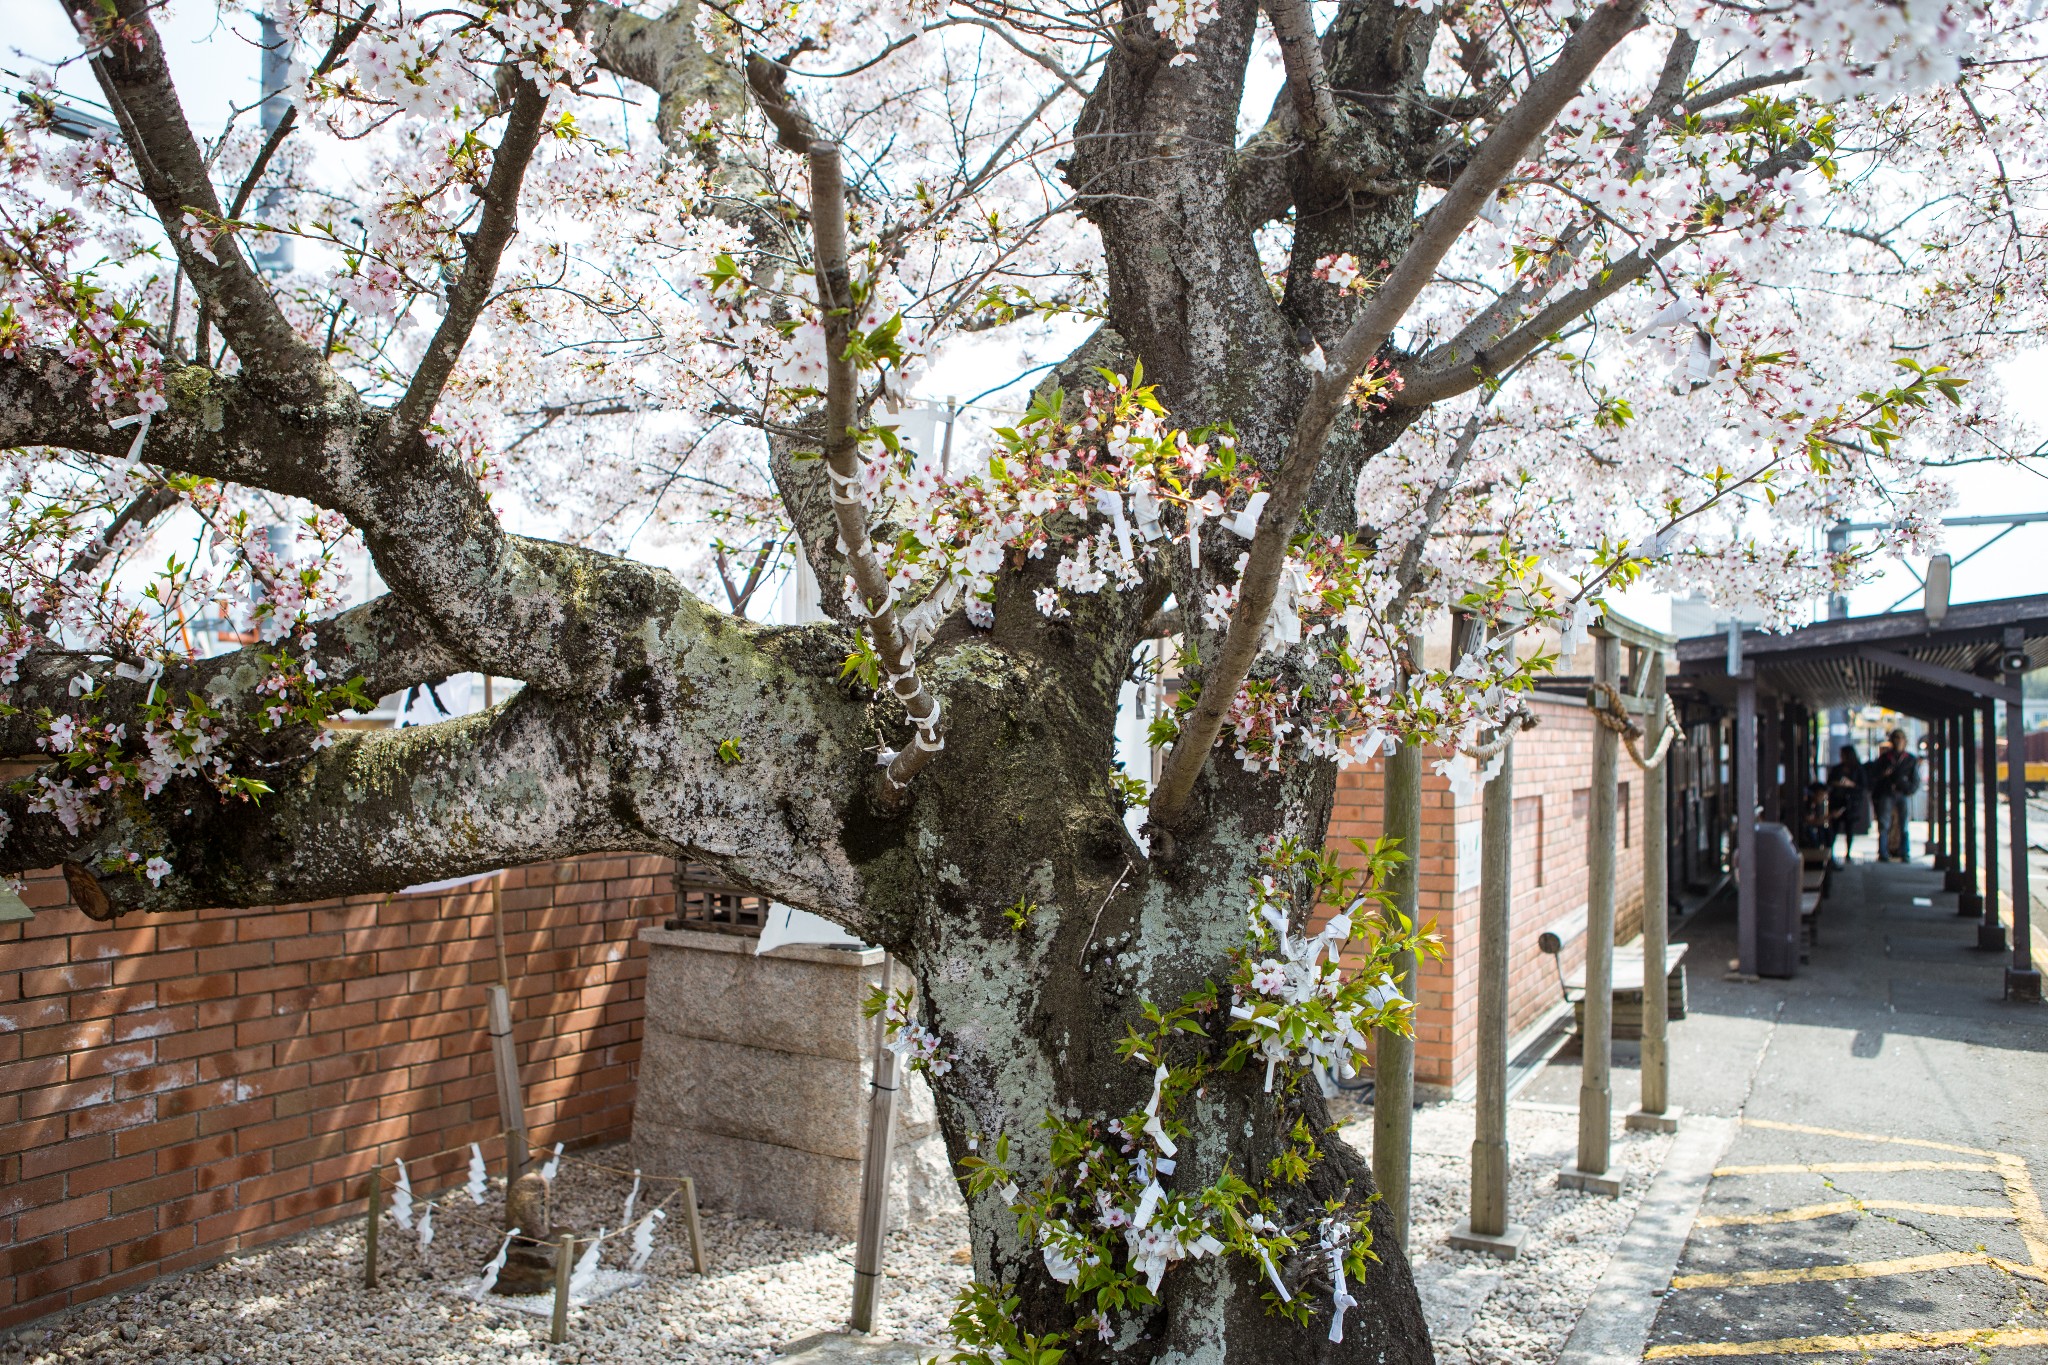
<point x="1848" y="804"/>
<point x="1894" y="777"/>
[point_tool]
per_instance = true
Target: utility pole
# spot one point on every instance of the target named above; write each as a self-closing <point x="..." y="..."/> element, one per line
<point x="272" y="251"/>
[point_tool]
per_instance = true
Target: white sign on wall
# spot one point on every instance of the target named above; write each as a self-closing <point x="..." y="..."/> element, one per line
<point x="1468" y="855"/>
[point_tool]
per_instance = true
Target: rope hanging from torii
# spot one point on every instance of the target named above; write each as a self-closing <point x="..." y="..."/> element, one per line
<point x="1613" y="714"/>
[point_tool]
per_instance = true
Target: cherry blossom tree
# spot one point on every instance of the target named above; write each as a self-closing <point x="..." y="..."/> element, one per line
<point x="1485" y="309"/>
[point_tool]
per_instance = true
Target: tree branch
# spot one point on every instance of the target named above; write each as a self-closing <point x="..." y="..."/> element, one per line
<point x="1308" y="83"/>
<point x="384" y="642"/>
<point x="486" y="247"/>
<point x="896" y="647"/>
<point x="558" y="616"/>
<point x="1491" y="163"/>
<point x="343" y="39"/>
<point x="129" y="62"/>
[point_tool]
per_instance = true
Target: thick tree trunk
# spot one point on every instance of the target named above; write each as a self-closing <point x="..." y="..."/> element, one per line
<point x="1029" y="1008"/>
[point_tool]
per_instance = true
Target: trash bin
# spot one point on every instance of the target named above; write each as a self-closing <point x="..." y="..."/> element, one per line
<point x="1777" y="900"/>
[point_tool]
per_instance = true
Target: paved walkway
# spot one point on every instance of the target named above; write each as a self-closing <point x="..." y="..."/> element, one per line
<point x="1880" y="1199"/>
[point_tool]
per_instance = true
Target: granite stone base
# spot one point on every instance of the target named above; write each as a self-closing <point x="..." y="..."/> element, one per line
<point x="754" y="1076"/>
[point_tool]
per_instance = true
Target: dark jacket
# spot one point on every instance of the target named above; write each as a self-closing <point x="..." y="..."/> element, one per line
<point x="1849" y="798"/>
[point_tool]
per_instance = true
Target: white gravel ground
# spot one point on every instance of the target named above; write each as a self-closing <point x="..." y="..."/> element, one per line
<point x="303" y="1302"/>
<point x="1484" y="1311"/>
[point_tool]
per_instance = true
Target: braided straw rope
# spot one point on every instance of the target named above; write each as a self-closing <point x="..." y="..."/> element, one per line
<point x="1614" y="716"/>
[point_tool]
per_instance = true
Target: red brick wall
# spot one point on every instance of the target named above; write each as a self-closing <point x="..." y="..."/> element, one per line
<point x="1553" y="762"/>
<point x="177" y="1087"/>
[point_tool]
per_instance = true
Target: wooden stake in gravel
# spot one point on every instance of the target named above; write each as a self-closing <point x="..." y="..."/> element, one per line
<point x="565" y="1266"/>
<point x="505" y="1063"/>
<point x="874" y="1172"/>
<point x="694" y="1224"/>
<point x="370" y="1232"/>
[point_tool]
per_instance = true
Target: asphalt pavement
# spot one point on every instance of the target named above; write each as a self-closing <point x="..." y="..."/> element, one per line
<point x="1878" y="1198"/>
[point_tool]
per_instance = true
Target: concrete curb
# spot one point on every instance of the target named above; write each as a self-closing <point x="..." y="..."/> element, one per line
<point x="1614" y="1327"/>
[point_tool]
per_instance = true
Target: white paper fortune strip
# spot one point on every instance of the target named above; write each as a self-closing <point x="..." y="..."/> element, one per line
<point x="401" y="1198"/>
<point x="495" y="1264"/>
<point x="643" y="1240"/>
<point x="584" y="1278"/>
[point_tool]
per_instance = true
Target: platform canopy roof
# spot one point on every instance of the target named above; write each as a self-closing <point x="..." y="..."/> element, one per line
<point x="1901" y="660"/>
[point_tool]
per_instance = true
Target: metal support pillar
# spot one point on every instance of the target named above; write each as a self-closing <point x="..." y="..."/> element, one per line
<point x="1488" y="1228"/>
<point x="1596" y="1097"/>
<point x="1951" y="802"/>
<point x="1742" y="750"/>
<point x="1958" y="841"/>
<point x="874" y="1171"/>
<point x="1769" y="791"/>
<point x="1655" y="1113"/>
<point x="1393" y="1069"/>
<point x="2022" y="979"/>
<point x="1937" y="830"/>
<point x="1969" y="901"/>
<point x="1937" y="807"/>
<point x="1990" y="933"/>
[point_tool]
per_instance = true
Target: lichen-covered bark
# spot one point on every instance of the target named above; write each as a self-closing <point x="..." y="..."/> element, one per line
<point x="1020" y="810"/>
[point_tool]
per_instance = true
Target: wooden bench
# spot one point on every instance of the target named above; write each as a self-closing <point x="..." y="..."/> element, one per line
<point x="1628" y="989"/>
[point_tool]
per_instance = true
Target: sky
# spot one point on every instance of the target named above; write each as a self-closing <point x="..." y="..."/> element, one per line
<point x="216" y="71"/>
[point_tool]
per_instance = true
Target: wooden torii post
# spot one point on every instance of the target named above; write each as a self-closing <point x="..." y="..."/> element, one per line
<point x="1596" y="1097"/>
<point x="1656" y="1113"/>
<point x="1393" y="1067"/>
<point x="1487" y="1228"/>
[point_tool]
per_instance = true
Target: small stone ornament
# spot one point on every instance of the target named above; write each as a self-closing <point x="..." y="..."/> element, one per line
<point x="529" y="1266"/>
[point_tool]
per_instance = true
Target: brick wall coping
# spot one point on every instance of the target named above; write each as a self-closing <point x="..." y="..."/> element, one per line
<point x="710" y="941"/>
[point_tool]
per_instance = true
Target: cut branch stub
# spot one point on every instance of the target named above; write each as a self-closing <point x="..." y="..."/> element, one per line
<point x="87" y="894"/>
<point x="896" y="648"/>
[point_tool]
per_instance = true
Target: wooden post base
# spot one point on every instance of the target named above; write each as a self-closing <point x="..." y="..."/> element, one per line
<point x="1506" y="1244"/>
<point x="1643" y="1121"/>
<point x="1589" y="1182"/>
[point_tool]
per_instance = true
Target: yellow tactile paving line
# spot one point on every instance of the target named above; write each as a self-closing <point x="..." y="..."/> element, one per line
<point x="1777" y="1127"/>
<point x="1808" y="1212"/>
<point x="1858" y="1345"/>
<point x="2023" y="1208"/>
<point x="1857" y="1270"/>
<point x="1831" y="1167"/>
